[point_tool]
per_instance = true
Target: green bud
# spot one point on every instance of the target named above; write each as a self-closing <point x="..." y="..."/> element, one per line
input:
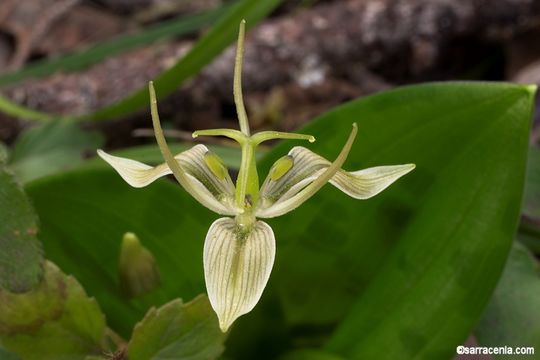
<point x="215" y="164"/>
<point x="281" y="167"/>
<point x="137" y="267"/>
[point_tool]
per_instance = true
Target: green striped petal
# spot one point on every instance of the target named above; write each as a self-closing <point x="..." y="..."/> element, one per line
<point x="216" y="192"/>
<point x="237" y="265"/>
<point x="308" y="166"/>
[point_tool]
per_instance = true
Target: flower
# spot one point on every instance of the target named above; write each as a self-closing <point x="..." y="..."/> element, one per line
<point x="239" y="249"/>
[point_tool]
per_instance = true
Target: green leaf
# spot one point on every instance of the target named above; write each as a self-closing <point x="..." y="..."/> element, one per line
<point x="83" y="59"/>
<point x="12" y="108"/>
<point x="54" y="321"/>
<point x="408" y="272"/>
<point x="50" y="148"/>
<point x="21" y="254"/>
<point x="511" y="317"/>
<point x="178" y="331"/>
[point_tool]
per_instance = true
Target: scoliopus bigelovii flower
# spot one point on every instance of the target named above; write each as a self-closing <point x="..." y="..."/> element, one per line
<point x="239" y="249"/>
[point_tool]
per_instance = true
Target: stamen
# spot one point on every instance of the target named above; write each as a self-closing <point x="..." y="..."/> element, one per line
<point x="215" y="165"/>
<point x="281" y="167"/>
<point x="310" y="190"/>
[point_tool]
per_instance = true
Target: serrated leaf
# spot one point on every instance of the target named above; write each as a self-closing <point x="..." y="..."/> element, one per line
<point x="178" y="331"/>
<point x="512" y="317"/>
<point x="21" y="254"/>
<point x="54" y="321"/>
<point x="29" y="311"/>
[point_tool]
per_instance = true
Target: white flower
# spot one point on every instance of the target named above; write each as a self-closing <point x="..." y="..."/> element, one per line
<point x="239" y="249"/>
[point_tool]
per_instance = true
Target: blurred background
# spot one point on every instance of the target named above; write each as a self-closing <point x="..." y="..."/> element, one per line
<point x="302" y="60"/>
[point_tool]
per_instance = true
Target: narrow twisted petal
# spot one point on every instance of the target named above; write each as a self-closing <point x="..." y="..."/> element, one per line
<point x="308" y="166"/>
<point x="237" y="265"/>
<point x="217" y="193"/>
<point x="367" y="183"/>
<point x="135" y="173"/>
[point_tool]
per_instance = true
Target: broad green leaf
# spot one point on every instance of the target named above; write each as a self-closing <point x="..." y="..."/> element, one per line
<point x="83" y="59"/>
<point x="50" y="148"/>
<point x="531" y="199"/>
<point x="56" y="320"/>
<point x="207" y="48"/>
<point x="408" y="272"/>
<point x="21" y="253"/>
<point x="178" y="331"/>
<point x="511" y="317"/>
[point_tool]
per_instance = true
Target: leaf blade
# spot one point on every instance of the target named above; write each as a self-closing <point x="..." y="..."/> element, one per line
<point x="21" y="256"/>
<point x="364" y="272"/>
<point x="178" y="331"/>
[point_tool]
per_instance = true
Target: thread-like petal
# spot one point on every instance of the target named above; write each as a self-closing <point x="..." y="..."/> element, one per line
<point x="308" y="166"/>
<point x="217" y="192"/>
<point x="237" y="265"/>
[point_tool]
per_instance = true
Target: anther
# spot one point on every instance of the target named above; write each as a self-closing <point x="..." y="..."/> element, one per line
<point x="281" y="167"/>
